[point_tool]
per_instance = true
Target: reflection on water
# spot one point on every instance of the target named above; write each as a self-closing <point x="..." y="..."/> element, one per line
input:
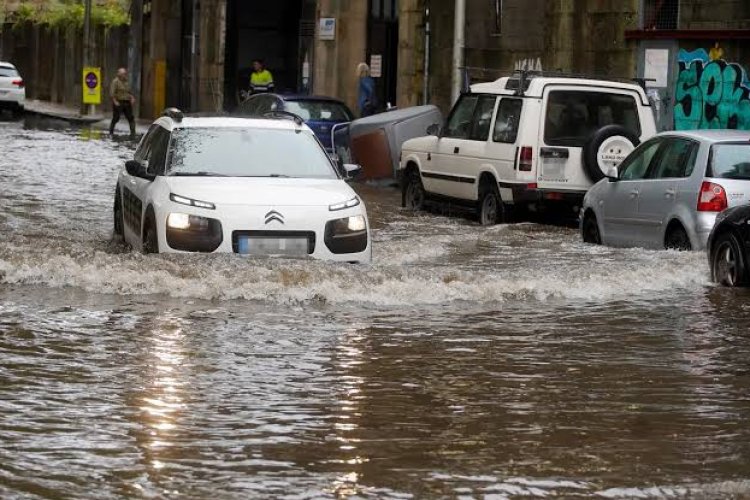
<point x="464" y="362"/>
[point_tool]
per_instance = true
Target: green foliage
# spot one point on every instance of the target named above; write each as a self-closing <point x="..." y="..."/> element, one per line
<point x="69" y="13"/>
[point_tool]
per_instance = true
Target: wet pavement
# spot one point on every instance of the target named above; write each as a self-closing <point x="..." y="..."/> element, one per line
<point x="464" y="362"/>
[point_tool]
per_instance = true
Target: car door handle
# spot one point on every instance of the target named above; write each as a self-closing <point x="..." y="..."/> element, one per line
<point x="455" y="150"/>
<point x="633" y="194"/>
<point x="669" y="193"/>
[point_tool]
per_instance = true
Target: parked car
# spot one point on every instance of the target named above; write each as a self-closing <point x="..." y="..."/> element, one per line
<point x="729" y="247"/>
<point x="12" y="89"/>
<point x="525" y="140"/>
<point x="248" y="186"/>
<point x="321" y="114"/>
<point x="669" y="191"/>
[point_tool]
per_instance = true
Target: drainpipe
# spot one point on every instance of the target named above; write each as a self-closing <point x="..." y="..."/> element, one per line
<point x="459" y="31"/>
<point x="426" y="76"/>
<point x="87" y="109"/>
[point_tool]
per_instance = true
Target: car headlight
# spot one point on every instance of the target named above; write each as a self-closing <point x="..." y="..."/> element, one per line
<point x="187" y="222"/>
<point x="344" y="205"/>
<point x="190" y="202"/>
<point x="348" y="225"/>
<point x="347" y="235"/>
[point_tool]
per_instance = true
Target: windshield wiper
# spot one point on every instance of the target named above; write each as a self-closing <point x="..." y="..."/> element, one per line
<point x="199" y="174"/>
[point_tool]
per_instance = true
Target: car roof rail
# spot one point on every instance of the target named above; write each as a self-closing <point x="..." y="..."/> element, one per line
<point x="174" y="114"/>
<point x="280" y="114"/>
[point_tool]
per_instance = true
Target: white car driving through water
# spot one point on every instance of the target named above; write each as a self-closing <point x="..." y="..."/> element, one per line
<point x="257" y="187"/>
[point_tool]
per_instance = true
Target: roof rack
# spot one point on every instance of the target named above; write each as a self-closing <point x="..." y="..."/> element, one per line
<point x="524" y="76"/>
<point x="284" y="114"/>
<point x="174" y="114"/>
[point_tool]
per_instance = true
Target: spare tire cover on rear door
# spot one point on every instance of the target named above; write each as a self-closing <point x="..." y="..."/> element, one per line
<point x="607" y="148"/>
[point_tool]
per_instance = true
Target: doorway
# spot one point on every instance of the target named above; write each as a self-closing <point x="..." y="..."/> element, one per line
<point x="270" y="31"/>
<point x="382" y="49"/>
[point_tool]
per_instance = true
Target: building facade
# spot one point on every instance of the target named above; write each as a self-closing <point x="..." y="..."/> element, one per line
<point x="197" y="54"/>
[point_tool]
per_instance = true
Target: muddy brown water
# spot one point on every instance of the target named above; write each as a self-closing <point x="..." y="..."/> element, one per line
<point x="464" y="362"/>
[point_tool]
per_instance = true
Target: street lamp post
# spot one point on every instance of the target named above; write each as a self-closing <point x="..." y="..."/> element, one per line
<point x="87" y="109"/>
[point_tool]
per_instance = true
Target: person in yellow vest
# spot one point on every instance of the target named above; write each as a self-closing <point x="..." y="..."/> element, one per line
<point x="261" y="79"/>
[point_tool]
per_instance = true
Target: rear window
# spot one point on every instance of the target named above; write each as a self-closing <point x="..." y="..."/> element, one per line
<point x="730" y="161"/>
<point x="6" y="71"/>
<point x="572" y="116"/>
<point x="319" y="110"/>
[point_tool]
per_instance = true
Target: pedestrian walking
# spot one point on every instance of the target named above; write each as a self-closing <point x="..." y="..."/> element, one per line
<point x="122" y="101"/>
<point x="366" y="100"/>
<point x="261" y="80"/>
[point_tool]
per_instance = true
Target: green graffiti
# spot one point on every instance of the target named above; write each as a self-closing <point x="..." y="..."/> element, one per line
<point x="711" y="95"/>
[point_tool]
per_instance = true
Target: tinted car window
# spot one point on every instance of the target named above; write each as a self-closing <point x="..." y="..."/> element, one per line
<point x="319" y="110"/>
<point x="677" y="159"/>
<point x="506" y="121"/>
<point x="730" y="161"/>
<point x="636" y="165"/>
<point x="5" y="71"/>
<point x="157" y="155"/>
<point x="572" y="116"/>
<point x="480" y="129"/>
<point x="459" y="122"/>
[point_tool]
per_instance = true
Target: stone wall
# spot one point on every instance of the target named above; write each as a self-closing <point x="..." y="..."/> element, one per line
<point x="714" y="14"/>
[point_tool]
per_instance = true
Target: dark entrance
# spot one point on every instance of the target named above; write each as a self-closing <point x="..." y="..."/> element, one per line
<point x="275" y="32"/>
<point x="382" y="40"/>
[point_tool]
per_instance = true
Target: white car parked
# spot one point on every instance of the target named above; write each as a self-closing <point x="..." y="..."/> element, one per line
<point x="529" y="140"/>
<point x="249" y="186"/>
<point x="669" y="191"/>
<point x="12" y="89"/>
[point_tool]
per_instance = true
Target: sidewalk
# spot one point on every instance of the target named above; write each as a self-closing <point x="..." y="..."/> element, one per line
<point x="73" y="116"/>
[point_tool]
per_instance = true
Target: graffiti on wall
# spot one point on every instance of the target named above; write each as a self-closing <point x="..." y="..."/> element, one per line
<point x="711" y="92"/>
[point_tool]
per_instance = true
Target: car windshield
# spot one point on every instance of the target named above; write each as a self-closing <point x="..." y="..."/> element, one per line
<point x="6" y="71"/>
<point x="248" y="152"/>
<point x="730" y="161"/>
<point x="319" y="110"/>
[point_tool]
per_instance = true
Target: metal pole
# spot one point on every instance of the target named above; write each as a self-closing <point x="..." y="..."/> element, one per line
<point x="87" y="44"/>
<point x="426" y="89"/>
<point x="459" y="31"/>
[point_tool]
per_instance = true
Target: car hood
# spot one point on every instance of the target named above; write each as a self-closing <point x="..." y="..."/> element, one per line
<point x="420" y="144"/>
<point x="261" y="191"/>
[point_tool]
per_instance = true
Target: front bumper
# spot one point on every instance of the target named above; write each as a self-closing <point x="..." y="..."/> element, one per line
<point x="235" y="222"/>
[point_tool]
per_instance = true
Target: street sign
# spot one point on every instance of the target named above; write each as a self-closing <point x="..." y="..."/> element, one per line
<point x="92" y="85"/>
<point x="327" y="28"/>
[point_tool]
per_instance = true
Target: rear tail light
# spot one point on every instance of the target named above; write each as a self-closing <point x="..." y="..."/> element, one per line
<point x="17" y="83"/>
<point x="712" y="198"/>
<point x="526" y="159"/>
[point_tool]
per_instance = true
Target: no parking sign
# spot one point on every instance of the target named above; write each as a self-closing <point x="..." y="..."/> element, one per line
<point x="92" y="85"/>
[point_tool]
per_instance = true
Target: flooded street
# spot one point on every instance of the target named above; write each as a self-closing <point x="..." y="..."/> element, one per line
<point x="466" y="362"/>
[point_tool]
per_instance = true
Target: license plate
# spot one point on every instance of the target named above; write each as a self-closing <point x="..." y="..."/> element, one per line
<point x="255" y="245"/>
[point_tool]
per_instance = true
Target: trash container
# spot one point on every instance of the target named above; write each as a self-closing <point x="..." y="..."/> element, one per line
<point x="376" y="140"/>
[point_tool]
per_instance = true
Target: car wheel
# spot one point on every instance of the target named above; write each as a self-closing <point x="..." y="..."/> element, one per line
<point x="727" y="261"/>
<point x="414" y="194"/>
<point x="117" y="213"/>
<point x="677" y="239"/>
<point x="150" y="239"/>
<point x="590" y="230"/>
<point x="491" y="208"/>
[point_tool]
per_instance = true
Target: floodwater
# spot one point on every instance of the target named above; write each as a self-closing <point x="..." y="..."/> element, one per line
<point x="464" y="362"/>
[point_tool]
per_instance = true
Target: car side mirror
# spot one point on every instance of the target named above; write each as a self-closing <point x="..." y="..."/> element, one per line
<point x="352" y="170"/>
<point x="612" y="174"/>
<point x="433" y="129"/>
<point x="136" y="169"/>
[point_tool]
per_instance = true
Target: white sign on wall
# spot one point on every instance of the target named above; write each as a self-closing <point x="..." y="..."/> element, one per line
<point x="656" y="68"/>
<point x="327" y="28"/>
<point x="376" y="65"/>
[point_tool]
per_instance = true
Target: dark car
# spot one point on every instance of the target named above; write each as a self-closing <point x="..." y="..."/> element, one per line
<point x="729" y="247"/>
<point x="319" y="113"/>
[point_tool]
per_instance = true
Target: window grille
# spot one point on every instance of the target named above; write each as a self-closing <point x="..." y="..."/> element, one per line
<point x="661" y="14"/>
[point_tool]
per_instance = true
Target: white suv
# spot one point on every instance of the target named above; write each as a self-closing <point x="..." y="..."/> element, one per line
<point x="525" y="141"/>
<point x="257" y="187"/>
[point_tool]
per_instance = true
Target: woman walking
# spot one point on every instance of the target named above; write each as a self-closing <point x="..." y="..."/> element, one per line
<point x="366" y="100"/>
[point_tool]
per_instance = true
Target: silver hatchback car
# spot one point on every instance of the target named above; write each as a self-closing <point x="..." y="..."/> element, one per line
<point x="667" y="193"/>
